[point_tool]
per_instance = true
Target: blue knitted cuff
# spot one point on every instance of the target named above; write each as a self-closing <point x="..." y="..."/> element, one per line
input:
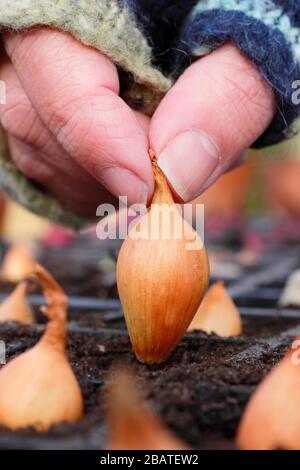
<point x="268" y="32"/>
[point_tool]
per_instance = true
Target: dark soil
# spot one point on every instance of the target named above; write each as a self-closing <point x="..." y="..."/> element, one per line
<point x="200" y="392"/>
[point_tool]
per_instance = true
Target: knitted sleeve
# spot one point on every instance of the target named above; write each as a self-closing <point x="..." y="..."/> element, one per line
<point x="153" y="41"/>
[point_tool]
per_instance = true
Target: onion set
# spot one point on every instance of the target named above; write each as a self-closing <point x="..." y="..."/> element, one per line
<point x="16" y="308"/>
<point x="17" y="265"/>
<point x="217" y="313"/>
<point x="161" y="281"/>
<point x="291" y="292"/>
<point x="132" y="424"/>
<point x="38" y="388"/>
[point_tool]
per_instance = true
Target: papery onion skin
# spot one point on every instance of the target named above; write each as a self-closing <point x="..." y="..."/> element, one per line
<point x="38" y="388"/>
<point x="217" y="313"/>
<point x="16" y="308"/>
<point x="271" y="420"/>
<point x="161" y="283"/>
<point x="17" y="265"/>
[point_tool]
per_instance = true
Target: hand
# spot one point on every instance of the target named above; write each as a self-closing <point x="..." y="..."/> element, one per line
<point x="67" y="127"/>
<point x="213" y="113"/>
<point x="63" y="111"/>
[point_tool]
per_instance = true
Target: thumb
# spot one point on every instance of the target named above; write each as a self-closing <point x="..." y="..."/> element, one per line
<point x="219" y="107"/>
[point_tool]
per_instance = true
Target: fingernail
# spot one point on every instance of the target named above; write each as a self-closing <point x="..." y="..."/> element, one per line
<point x="188" y="161"/>
<point x="122" y="182"/>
